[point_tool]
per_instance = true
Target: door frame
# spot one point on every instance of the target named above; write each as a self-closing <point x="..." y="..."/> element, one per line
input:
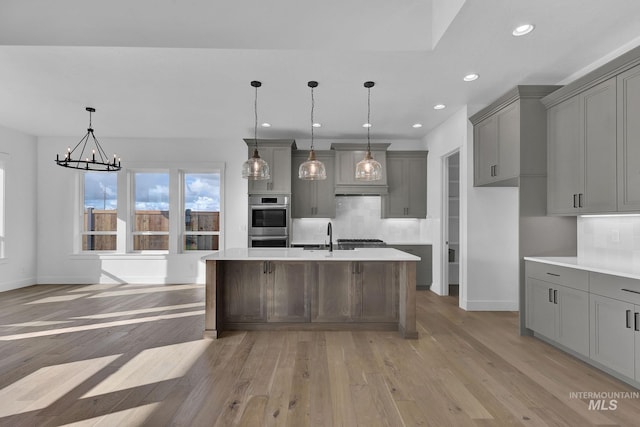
<point x="444" y="223"/>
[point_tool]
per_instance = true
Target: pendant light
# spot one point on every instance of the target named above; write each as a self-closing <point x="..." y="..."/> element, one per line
<point x="100" y="163"/>
<point x="368" y="169"/>
<point x="312" y="169"/>
<point x="255" y="168"/>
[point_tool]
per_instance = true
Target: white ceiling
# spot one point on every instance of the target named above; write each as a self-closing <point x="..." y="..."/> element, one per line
<point x="169" y="68"/>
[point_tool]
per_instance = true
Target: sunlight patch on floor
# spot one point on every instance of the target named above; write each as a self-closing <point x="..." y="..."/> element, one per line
<point x="99" y="326"/>
<point x="141" y="311"/>
<point x="151" y="366"/>
<point x="128" y="417"/>
<point x="166" y="288"/>
<point x="60" y="298"/>
<point x="96" y="287"/>
<point x="44" y="386"/>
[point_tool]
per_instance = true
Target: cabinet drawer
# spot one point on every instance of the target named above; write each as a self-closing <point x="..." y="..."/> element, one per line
<point x="616" y="287"/>
<point x="570" y="277"/>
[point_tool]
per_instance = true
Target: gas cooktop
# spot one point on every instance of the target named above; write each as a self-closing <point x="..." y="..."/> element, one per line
<point x="360" y="243"/>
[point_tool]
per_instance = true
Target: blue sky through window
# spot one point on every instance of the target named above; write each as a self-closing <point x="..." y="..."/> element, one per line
<point x="101" y="190"/>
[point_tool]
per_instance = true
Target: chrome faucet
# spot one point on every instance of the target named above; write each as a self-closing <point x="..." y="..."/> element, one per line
<point x="330" y="234"/>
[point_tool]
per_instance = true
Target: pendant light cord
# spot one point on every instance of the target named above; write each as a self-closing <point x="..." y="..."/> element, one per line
<point x="368" y="118"/>
<point x="312" y="107"/>
<point x="255" y="111"/>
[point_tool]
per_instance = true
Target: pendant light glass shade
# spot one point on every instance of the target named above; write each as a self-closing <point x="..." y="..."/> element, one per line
<point x="368" y="169"/>
<point x="312" y="169"/>
<point x="255" y="168"/>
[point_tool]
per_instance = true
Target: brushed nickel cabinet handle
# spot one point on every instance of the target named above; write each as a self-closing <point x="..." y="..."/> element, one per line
<point x="575" y="204"/>
<point x="628" y="318"/>
<point x="550" y="295"/>
<point x="580" y="197"/>
<point x="555" y="296"/>
<point x="636" y="321"/>
<point x="553" y="274"/>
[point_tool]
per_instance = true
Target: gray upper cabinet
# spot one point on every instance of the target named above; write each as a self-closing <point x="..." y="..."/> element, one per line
<point x="497" y="146"/>
<point x="277" y="154"/>
<point x="347" y="157"/>
<point x="509" y="137"/>
<point x="594" y="141"/>
<point x="628" y="85"/>
<point x="582" y="152"/>
<point x="313" y="199"/>
<point x="407" y="179"/>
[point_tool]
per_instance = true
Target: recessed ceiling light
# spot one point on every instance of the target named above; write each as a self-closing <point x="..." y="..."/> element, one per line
<point x="366" y="125"/>
<point x="417" y="125"/>
<point x="470" y="77"/>
<point x="316" y="125"/>
<point x="522" y="30"/>
<point x="439" y="107"/>
<point x="266" y="125"/>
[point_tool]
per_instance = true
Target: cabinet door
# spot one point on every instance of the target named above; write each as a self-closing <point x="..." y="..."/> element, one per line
<point x="396" y="202"/>
<point x="302" y="203"/>
<point x="508" y="164"/>
<point x="572" y="326"/>
<point x="417" y="196"/>
<point x="564" y="163"/>
<point x="541" y="311"/>
<point x="287" y="291"/>
<point x="599" y="149"/>
<point x="612" y="336"/>
<point x="485" y="145"/>
<point x="243" y="291"/>
<point x="333" y="293"/>
<point x="346" y="162"/>
<point x="279" y="160"/>
<point x="628" y="136"/>
<point x="376" y="292"/>
<point x="324" y="192"/>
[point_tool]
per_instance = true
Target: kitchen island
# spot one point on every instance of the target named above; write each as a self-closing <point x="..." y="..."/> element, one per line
<point x="298" y="289"/>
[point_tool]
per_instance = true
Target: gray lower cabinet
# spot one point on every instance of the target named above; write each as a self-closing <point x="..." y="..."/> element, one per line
<point x="277" y="154"/>
<point x="424" y="270"/>
<point x="558" y="305"/>
<point x="615" y="323"/>
<point x="582" y="152"/>
<point x="628" y="86"/>
<point x="612" y="335"/>
<point x="313" y="199"/>
<point x="407" y="180"/>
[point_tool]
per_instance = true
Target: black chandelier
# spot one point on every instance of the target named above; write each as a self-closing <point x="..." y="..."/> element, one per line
<point x="99" y="160"/>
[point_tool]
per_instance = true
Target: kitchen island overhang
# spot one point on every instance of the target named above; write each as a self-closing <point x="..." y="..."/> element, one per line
<point x="297" y="289"/>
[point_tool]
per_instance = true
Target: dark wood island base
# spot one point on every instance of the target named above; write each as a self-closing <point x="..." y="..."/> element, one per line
<point x="310" y="295"/>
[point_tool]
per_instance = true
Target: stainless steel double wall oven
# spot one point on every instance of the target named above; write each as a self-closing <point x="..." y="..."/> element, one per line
<point x="269" y="219"/>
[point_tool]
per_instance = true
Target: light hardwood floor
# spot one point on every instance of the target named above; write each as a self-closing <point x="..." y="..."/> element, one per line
<point x="114" y="355"/>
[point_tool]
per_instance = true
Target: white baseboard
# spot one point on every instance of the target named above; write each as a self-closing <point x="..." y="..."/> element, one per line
<point x="17" y="284"/>
<point x="137" y="280"/>
<point x="489" y="305"/>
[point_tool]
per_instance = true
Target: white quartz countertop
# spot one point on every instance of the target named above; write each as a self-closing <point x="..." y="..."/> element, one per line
<point x="299" y="254"/>
<point x="631" y="271"/>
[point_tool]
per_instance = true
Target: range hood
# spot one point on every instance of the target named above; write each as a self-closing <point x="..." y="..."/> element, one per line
<point x="347" y="156"/>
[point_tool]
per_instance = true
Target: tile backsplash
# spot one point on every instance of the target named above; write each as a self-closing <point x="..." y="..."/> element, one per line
<point x="359" y="217"/>
<point x="613" y="240"/>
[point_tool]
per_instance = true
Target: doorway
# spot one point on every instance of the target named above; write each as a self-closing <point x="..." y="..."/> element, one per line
<point x="451" y="224"/>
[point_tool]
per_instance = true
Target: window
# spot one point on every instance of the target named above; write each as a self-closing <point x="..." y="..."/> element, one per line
<point x="100" y="215"/>
<point x="151" y="211"/>
<point x="4" y="161"/>
<point x="201" y="201"/>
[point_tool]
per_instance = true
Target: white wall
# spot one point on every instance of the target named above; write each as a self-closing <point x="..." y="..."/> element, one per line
<point x="57" y="199"/>
<point x="488" y="224"/>
<point x="18" y="269"/>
